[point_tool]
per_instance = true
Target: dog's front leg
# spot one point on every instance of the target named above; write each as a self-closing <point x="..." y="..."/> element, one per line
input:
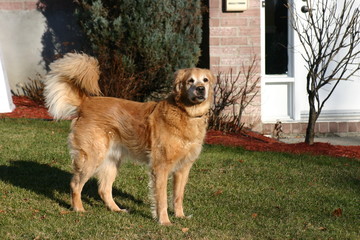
<point x="159" y="177"/>
<point x="180" y="180"/>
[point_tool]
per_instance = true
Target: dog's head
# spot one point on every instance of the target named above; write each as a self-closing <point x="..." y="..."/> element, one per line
<point x="194" y="85"/>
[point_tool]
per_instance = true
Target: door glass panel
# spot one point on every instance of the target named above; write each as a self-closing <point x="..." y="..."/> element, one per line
<point x="276" y="38"/>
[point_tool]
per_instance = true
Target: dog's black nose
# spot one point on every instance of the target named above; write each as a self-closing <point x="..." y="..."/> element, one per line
<point x="200" y="90"/>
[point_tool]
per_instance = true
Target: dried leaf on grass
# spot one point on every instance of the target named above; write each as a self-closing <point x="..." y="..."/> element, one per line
<point x="218" y="192"/>
<point x="64" y="212"/>
<point x="337" y="212"/>
<point x="184" y="230"/>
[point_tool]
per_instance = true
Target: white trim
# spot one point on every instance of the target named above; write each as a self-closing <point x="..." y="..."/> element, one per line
<point x="279" y="79"/>
<point x="325" y="116"/>
<point x="334" y="115"/>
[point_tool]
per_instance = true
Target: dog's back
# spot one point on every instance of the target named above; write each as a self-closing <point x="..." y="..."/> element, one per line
<point x="118" y="121"/>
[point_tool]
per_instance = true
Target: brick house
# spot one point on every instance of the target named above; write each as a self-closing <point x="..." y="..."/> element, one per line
<point x="236" y="36"/>
<point x="231" y="40"/>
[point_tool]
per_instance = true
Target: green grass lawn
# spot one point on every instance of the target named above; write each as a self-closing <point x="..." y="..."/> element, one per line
<point x="232" y="194"/>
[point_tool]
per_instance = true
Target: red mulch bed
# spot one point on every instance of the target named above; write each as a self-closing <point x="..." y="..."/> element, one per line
<point x="26" y="108"/>
<point x="257" y="142"/>
<point x="249" y="140"/>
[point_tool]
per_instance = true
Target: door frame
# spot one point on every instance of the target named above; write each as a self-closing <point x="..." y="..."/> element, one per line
<point x="295" y="72"/>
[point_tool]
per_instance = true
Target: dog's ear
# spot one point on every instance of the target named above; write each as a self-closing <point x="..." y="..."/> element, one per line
<point x="210" y="76"/>
<point x="179" y="76"/>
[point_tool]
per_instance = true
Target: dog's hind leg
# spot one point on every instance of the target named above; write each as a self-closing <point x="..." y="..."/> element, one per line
<point x="80" y="177"/>
<point x="180" y="179"/>
<point x="106" y="176"/>
<point x="85" y="164"/>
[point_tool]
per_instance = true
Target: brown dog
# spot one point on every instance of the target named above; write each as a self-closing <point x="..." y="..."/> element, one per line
<point x="166" y="135"/>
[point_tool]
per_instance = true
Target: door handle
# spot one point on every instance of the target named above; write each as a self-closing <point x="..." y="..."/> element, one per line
<point x="306" y="9"/>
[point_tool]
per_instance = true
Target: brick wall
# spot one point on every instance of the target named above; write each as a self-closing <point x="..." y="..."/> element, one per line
<point x="18" y="4"/>
<point x="321" y="128"/>
<point x="234" y="37"/>
<point x="234" y="42"/>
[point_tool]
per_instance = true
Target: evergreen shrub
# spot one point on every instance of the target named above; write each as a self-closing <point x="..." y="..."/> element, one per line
<point x="141" y="43"/>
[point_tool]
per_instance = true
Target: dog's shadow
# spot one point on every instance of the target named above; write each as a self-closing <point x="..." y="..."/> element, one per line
<point x="48" y="180"/>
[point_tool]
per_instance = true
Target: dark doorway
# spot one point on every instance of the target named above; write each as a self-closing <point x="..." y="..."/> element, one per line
<point x="276" y="38"/>
<point x="204" y="60"/>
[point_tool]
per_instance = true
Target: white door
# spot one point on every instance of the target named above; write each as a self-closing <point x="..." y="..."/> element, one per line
<point x="278" y="68"/>
<point x="283" y="94"/>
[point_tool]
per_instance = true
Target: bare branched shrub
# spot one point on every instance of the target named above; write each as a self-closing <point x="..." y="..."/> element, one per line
<point x="33" y="89"/>
<point x="330" y="37"/>
<point x="233" y="93"/>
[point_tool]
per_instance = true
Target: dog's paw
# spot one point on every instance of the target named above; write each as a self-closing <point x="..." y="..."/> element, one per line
<point x="123" y="211"/>
<point x="184" y="217"/>
<point x="120" y="210"/>
<point x="166" y="223"/>
<point x="79" y="210"/>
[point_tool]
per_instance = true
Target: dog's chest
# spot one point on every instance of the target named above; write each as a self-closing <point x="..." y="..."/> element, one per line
<point x="178" y="142"/>
<point x="187" y="131"/>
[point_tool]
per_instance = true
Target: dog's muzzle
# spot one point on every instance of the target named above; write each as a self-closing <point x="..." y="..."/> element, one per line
<point x="200" y="92"/>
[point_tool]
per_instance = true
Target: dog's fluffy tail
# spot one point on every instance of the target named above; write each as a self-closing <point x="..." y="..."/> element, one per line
<point x="71" y="79"/>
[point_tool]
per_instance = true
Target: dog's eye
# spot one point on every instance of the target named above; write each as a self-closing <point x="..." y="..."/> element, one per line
<point x="206" y="80"/>
<point x="191" y="80"/>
